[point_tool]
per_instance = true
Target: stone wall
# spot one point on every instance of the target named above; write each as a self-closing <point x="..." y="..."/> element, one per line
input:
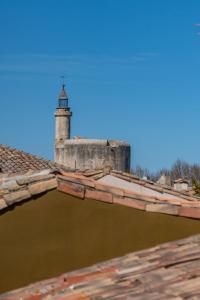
<point x="83" y="154"/>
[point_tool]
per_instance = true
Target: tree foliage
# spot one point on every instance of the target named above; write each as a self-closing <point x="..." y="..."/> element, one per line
<point x="196" y="186"/>
<point x="180" y="169"/>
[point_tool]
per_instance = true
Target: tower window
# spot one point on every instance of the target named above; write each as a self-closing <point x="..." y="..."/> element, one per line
<point x="63" y="103"/>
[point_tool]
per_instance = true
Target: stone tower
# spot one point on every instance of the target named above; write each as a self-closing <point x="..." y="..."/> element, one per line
<point x="62" y="117"/>
<point x="82" y="154"/>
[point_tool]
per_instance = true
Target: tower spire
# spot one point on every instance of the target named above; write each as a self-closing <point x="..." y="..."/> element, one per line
<point x="62" y="116"/>
<point x="63" y="95"/>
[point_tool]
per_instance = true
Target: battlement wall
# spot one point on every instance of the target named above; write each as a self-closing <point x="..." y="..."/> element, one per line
<point x="81" y="154"/>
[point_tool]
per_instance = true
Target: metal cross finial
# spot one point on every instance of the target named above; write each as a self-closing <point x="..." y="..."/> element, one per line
<point x="63" y="80"/>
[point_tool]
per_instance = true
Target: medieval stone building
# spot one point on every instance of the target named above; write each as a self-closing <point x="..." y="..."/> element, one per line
<point x="80" y="154"/>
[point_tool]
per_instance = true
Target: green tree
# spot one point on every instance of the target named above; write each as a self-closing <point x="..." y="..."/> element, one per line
<point x="196" y="185"/>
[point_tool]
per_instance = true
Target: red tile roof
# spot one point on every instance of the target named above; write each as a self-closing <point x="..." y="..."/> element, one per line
<point x="78" y="185"/>
<point x="168" y="271"/>
<point x="16" y="161"/>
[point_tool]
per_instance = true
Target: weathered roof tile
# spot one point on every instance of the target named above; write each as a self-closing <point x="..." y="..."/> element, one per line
<point x="167" y="271"/>
<point x="16" y="161"/>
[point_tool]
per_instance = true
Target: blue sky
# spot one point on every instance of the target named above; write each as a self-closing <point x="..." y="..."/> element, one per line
<point x="132" y="72"/>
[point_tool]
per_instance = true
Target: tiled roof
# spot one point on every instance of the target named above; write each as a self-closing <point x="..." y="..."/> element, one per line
<point x="99" y="174"/>
<point x="168" y="271"/>
<point x="137" y="196"/>
<point x="15" y="161"/>
<point x="181" y="180"/>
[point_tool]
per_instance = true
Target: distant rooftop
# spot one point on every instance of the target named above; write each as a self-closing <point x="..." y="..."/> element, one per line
<point x="16" y="161"/>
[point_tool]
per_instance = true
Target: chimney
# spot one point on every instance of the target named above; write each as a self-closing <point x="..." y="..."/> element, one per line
<point x="164" y="180"/>
<point x="181" y="184"/>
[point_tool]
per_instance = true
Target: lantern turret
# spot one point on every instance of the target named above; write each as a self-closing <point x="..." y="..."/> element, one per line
<point x="62" y="117"/>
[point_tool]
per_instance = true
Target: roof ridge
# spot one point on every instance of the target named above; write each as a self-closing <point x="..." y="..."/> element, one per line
<point x="151" y="184"/>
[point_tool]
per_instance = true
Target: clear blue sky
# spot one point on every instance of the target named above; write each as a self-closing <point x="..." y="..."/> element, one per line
<point x="132" y="69"/>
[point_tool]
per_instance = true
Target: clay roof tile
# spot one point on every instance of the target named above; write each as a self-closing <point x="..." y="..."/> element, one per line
<point x="15" y="161"/>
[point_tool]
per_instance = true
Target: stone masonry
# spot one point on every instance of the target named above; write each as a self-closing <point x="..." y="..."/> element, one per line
<point x="93" y="154"/>
<point x="82" y="154"/>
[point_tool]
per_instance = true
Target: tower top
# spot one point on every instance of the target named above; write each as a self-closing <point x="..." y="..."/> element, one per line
<point x="63" y="95"/>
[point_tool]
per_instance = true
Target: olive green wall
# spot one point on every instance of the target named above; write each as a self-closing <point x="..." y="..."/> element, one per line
<point x="57" y="233"/>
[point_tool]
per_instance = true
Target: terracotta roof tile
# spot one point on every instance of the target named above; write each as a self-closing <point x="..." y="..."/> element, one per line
<point x="166" y="271"/>
<point x="16" y="161"/>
